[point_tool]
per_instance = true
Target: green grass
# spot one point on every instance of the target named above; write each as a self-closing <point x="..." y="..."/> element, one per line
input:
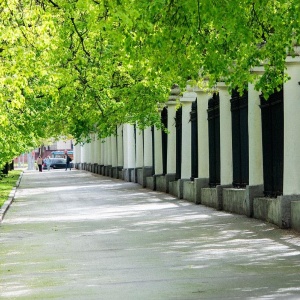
<point x="7" y="182"/>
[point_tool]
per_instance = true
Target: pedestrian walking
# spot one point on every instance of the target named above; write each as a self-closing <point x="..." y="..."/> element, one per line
<point x="39" y="162"/>
<point x="68" y="161"/>
<point x="48" y="162"/>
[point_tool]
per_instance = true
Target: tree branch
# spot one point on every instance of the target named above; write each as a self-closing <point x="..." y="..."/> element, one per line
<point x="54" y="4"/>
<point x="80" y="38"/>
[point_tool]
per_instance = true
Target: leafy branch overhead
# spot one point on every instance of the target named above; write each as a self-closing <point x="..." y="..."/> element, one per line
<point x="72" y="67"/>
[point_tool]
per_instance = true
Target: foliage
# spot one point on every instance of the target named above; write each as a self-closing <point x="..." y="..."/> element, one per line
<point x="71" y="67"/>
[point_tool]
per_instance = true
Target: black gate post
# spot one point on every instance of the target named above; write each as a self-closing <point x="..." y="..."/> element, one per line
<point x="153" y="151"/>
<point x="213" y="113"/>
<point x="178" y="125"/>
<point x="164" y="137"/>
<point x="194" y="140"/>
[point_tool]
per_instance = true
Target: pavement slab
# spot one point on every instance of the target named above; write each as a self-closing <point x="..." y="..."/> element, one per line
<point x="78" y="235"/>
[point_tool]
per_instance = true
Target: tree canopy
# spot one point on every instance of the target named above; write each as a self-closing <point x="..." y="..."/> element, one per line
<point x="71" y="67"/>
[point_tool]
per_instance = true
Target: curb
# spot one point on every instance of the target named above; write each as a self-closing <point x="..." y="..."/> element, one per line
<point x="10" y="199"/>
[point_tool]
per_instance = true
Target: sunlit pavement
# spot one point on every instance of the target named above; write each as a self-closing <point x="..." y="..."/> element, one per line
<point x="75" y="235"/>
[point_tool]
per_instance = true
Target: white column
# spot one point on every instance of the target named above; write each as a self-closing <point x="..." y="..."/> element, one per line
<point x="129" y="146"/>
<point x="158" y="165"/>
<point x="92" y="149"/>
<point x="203" y="144"/>
<point x="114" y="155"/>
<point x="225" y="135"/>
<point x="186" y="163"/>
<point x="97" y="149"/>
<point x="148" y="147"/>
<point x="120" y="146"/>
<point x="139" y="149"/>
<point x="88" y="152"/>
<point x="103" y="152"/>
<point x="291" y="90"/>
<point x="255" y="134"/>
<point x="83" y="153"/>
<point x="77" y="153"/>
<point x="109" y="151"/>
<point x="171" y="152"/>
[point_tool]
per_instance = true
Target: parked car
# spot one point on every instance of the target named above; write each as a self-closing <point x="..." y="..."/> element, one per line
<point x="56" y="163"/>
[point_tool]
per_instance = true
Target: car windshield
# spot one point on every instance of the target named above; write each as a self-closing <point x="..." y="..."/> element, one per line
<point x="58" y="160"/>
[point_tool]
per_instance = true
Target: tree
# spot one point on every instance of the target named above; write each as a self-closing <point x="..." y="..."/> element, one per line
<point x="72" y="67"/>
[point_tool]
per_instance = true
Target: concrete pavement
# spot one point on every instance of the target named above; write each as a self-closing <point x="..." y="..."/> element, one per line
<point x="77" y="235"/>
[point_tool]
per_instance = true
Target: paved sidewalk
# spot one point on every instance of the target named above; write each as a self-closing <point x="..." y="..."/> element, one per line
<point x="75" y="235"/>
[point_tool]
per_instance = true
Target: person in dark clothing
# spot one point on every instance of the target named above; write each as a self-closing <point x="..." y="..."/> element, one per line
<point x="39" y="162"/>
<point x="68" y="160"/>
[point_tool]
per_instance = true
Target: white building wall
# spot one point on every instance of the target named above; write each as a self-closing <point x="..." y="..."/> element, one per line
<point x="64" y="145"/>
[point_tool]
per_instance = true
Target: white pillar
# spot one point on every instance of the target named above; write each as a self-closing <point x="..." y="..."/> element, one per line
<point x="92" y="149"/>
<point x="158" y="165"/>
<point x="120" y="146"/>
<point x="129" y="146"/>
<point x="77" y="154"/>
<point x="171" y="152"/>
<point x="291" y="90"/>
<point x="203" y="144"/>
<point x="83" y="153"/>
<point x="114" y="155"/>
<point x="104" y="151"/>
<point x="186" y="146"/>
<point x="225" y="135"/>
<point x="97" y="149"/>
<point x="148" y="147"/>
<point x="255" y="134"/>
<point x="88" y="152"/>
<point x="108" y="151"/>
<point x="139" y="149"/>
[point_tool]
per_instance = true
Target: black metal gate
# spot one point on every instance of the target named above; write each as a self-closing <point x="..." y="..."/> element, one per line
<point x="194" y="140"/>
<point x="178" y="124"/>
<point x="164" y="137"/>
<point x="272" y="137"/>
<point x="240" y="141"/>
<point x="213" y="114"/>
